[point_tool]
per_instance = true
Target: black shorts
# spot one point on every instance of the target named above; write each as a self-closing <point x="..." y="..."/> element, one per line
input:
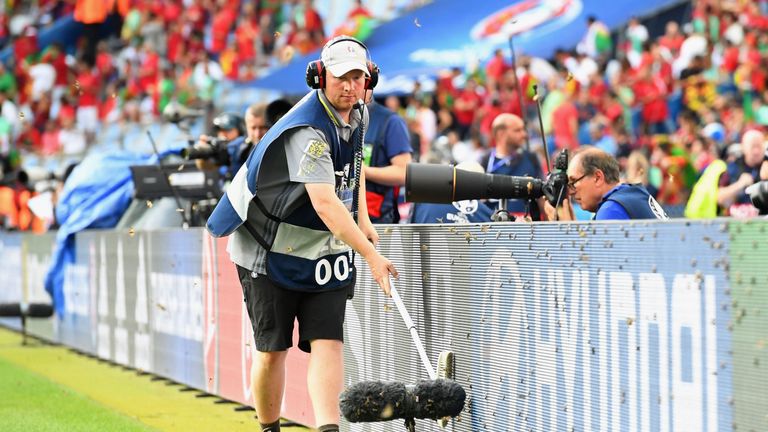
<point x="273" y="310"/>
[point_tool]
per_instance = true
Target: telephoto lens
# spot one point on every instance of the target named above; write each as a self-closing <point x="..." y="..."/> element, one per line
<point x="435" y="183"/>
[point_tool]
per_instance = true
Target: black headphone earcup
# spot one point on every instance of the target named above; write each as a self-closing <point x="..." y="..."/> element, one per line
<point x="314" y="75"/>
<point x="309" y="75"/>
<point x="373" y="71"/>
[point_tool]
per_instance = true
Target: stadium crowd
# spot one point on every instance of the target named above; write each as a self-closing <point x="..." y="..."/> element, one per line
<point x="667" y="106"/>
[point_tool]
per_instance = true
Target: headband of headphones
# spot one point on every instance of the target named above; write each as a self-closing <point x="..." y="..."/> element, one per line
<point x="316" y="70"/>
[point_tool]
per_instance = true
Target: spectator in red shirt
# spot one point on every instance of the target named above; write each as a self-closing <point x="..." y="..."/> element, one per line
<point x="221" y="24"/>
<point x="41" y="111"/>
<point x="359" y="11"/>
<point x="465" y="108"/>
<point x="175" y="42"/>
<point x="247" y="34"/>
<point x="50" y="139"/>
<point x="109" y="106"/>
<point x="495" y="69"/>
<point x="87" y="89"/>
<point x="509" y="97"/>
<point x="195" y="46"/>
<point x="172" y="11"/>
<point x="650" y="93"/>
<point x="104" y="62"/>
<point x="148" y="71"/>
<point x="29" y="139"/>
<point x="308" y="19"/>
<point x="565" y="123"/>
<point x="610" y="107"/>
<point x="662" y="67"/>
<point x="672" y="39"/>
<point x="25" y="45"/>
<point x="487" y="114"/>
<point x="597" y="90"/>
<point x="195" y="15"/>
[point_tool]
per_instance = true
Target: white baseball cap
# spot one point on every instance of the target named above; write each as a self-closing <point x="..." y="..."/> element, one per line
<point x="343" y="56"/>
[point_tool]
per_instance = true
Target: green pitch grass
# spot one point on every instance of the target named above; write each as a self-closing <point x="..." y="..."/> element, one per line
<point x="30" y="402"/>
<point x="51" y="388"/>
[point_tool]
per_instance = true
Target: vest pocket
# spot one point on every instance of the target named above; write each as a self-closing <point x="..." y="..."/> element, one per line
<point x="327" y="273"/>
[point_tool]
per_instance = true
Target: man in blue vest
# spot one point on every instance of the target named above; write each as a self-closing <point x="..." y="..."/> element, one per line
<point x="288" y="214"/>
<point x="593" y="182"/>
<point x="387" y="153"/>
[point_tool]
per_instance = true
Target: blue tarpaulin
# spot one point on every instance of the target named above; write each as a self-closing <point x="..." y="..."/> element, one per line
<point x="95" y="195"/>
<point x="451" y="33"/>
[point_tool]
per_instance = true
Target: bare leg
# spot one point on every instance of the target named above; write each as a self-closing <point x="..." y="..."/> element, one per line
<point x="268" y="384"/>
<point x="325" y="379"/>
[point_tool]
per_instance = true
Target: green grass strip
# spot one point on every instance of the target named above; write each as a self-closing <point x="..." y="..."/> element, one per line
<point x="29" y="402"/>
<point x="77" y="393"/>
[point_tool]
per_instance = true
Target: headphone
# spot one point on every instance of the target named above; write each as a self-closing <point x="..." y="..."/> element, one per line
<point x="315" y="76"/>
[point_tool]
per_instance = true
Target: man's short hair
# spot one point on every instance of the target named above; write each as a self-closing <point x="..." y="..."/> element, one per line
<point x="257" y="110"/>
<point x="502" y="121"/>
<point x="593" y="159"/>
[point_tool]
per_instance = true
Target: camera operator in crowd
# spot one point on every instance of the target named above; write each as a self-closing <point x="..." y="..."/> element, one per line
<point x="593" y="182"/>
<point x="220" y="150"/>
<point x="235" y="136"/>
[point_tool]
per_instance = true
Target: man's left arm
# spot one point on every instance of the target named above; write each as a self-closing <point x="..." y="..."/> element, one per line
<point x="363" y="220"/>
<point x="398" y="150"/>
<point x="392" y="175"/>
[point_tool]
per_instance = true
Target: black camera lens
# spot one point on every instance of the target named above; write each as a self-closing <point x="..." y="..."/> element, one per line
<point x="758" y="193"/>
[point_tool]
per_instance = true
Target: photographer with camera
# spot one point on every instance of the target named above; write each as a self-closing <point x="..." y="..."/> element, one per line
<point x="593" y="182"/>
<point x="235" y="137"/>
<point x="221" y="150"/>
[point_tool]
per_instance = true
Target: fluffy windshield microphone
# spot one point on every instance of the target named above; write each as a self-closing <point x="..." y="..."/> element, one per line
<point x="373" y="401"/>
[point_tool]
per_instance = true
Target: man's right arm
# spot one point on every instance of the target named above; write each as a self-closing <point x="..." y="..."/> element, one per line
<point x="340" y="223"/>
<point x="726" y="195"/>
<point x="398" y="149"/>
<point x="310" y="163"/>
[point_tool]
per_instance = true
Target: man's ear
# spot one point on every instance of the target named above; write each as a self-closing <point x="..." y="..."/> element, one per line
<point x="599" y="176"/>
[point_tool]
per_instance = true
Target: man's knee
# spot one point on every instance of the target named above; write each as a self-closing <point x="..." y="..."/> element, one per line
<point x="269" y="360"/>
<point x="326" y="346"/>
